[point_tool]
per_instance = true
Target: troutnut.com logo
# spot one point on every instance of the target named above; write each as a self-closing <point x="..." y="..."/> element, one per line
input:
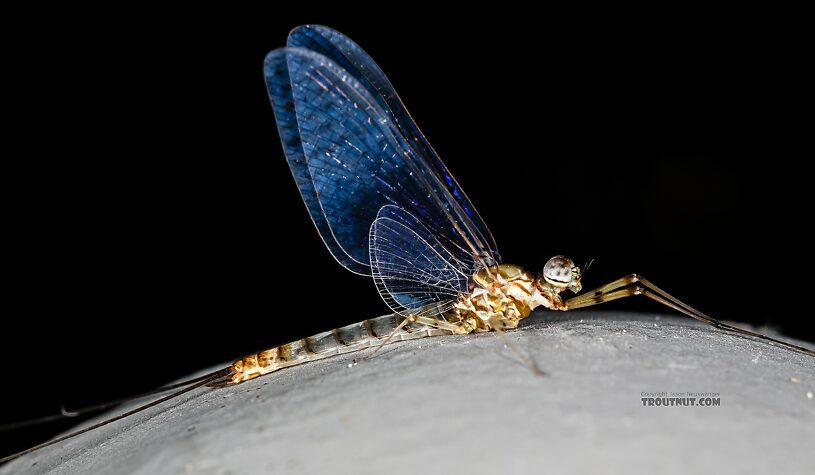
<point x="670" y="398"/>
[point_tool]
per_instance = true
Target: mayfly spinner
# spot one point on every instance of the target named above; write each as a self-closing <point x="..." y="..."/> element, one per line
<point x="386" y="206"/>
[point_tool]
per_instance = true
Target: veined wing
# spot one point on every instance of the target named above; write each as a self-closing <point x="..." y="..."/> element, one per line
<point x="413" y="271"/>
<point x="357" y="158"/>
<point x="353" y="59"/>
<point x="280" y="93"/>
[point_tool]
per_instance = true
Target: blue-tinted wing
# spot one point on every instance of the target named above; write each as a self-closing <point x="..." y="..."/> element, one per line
<point x="414" y="272"/>
<point x="280" y="93"/>
<point x="348" y="55"/>
<point x="358" y="159"/>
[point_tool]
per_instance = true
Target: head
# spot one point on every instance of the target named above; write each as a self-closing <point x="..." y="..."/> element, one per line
<point x="561" y="274"/>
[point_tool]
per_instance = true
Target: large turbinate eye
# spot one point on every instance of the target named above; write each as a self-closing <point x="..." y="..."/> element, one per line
<point x="558" y="271"/>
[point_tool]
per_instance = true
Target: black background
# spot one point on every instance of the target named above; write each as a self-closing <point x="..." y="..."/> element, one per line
<point x="153" y="229"/>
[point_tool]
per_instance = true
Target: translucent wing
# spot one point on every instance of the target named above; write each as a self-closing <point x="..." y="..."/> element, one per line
<point x="414" y="272"/>
<point x="358" y="160"/>
<point x="353" y="59"/>
<point x="280" y="93"/>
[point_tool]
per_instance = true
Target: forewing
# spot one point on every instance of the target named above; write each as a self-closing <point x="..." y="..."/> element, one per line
<point x="353" y="59"/>
<point x="358" y="159"/>
<point x="280" y="93"/>
<point x="414" y="273"/>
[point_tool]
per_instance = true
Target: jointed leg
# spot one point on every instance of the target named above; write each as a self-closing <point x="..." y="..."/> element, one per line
<point x="525" y="359"/>
<point x="620" y="289"/>
<point x="460" y="328"/>
<point x="455" y="328"/>
<point x="390" y="336"/>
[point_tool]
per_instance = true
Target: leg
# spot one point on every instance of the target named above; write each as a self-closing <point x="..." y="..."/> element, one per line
<point x="527" y="360"/>
<point x="390" y="336"/>
<point x="459" y="328"/>
<point x="464" y="327"/>
<point x="620" y="288"/>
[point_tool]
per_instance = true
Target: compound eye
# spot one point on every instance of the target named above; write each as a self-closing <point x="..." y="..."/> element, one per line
<point x="558" y="271"/>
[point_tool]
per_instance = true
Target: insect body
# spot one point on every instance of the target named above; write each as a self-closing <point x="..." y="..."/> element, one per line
<point x="501" y="297"/>
<point x="386" y="206"/>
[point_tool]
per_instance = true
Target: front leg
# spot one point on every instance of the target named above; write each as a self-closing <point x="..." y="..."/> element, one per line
<point x="623" y="287"/>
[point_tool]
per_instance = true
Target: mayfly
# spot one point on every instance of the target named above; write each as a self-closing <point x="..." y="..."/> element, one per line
<point x="387" y="207"/>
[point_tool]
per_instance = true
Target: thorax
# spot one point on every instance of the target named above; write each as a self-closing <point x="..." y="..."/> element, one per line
<point x="505" y="293"/>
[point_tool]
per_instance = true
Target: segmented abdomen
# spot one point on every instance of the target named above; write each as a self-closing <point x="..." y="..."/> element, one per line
<point x="354" y="337"/>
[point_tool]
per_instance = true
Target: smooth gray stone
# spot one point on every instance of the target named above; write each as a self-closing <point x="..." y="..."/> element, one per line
<point x="463" y="404"/>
